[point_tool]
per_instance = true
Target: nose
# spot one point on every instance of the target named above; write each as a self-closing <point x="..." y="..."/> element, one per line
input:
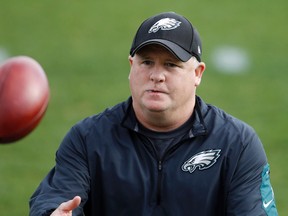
<point x="157" y="75"/>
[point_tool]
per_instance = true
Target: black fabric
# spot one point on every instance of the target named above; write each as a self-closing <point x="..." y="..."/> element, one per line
<point x="215" y="170"/>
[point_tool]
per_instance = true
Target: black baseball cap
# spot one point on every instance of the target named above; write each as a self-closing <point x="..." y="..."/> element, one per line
<point x="172" y="31"/>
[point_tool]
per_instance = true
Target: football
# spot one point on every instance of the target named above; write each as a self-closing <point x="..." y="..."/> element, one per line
<point x="24" y="97"/>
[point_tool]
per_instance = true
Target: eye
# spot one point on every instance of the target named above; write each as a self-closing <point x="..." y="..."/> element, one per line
<point x="171" y="64"/>
<point x="147" y="62"/>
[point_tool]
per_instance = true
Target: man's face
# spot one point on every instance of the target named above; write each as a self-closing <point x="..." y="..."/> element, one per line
<point x="159" y="82"/>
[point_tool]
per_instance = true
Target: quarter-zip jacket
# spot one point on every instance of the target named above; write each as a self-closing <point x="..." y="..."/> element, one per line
<point x="217" y="169"/>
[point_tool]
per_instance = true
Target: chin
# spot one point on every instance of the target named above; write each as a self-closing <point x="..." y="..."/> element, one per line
<point x="156" y="107"/>
<point x="155" y="104"/>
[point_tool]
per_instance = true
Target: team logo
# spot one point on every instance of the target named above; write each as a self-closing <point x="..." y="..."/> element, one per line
<point x="164" y="24"/>
<point x="203" y="160"/>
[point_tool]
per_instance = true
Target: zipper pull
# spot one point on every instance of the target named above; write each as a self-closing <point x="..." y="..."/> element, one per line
<point x="159" y="165"/>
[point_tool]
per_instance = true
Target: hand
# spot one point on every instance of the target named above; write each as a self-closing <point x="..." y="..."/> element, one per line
<point x="65" y="208"/>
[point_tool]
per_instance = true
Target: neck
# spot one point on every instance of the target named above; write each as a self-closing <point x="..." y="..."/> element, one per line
<point x="162" y="121"/>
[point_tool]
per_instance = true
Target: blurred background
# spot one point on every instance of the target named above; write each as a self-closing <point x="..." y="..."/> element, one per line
<point x="83" y="47"/>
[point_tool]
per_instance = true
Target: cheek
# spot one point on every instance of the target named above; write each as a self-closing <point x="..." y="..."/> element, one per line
<point x="185" y="81"/>
<point x="138" y="77"/>
<point x="133" y="78"/>
<point x="135" y="82"/>
<point x="186" y="86"/>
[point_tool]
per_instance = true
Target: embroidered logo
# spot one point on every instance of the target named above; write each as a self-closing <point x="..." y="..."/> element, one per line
<point x="164" y="24"/>
<point x="203" y="160"/>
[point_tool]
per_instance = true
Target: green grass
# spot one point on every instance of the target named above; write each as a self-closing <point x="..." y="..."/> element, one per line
<point x="83" y="47"/>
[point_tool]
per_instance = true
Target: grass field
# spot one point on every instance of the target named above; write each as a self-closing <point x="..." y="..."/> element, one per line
<point x="83" y="47"/>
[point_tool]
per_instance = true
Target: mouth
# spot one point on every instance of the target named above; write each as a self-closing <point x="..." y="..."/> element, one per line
<point x="155" y="91"/>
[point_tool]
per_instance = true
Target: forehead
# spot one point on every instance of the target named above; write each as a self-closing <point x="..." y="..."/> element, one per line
<point x="156" y="49"/>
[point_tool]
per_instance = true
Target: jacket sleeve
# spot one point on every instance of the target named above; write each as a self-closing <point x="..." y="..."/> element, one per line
<point x="250" y="192"/>
<point x="69" y="177"/>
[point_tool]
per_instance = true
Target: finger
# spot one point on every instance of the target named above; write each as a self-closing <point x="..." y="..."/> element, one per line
<point x="71" y="204"/>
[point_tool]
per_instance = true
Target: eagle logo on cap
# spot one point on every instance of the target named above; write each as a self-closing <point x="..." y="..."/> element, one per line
<point x="203" y="160"/>
<point x="164" y="24"/>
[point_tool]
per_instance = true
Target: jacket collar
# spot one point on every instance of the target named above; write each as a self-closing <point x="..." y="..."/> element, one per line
<point x="198" y="128"/>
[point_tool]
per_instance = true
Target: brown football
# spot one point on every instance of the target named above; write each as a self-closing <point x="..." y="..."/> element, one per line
<point x="24" y="97"/>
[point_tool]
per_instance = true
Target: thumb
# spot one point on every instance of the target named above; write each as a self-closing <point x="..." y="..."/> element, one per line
<point x="70" y="205"/>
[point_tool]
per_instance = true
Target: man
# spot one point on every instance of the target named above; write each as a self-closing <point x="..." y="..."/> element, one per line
<point x="164" y="151"/>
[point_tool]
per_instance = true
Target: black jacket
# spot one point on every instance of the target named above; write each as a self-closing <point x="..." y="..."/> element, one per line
<point x="219" y="168"/>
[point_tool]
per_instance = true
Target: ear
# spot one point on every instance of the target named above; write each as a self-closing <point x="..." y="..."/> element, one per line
<point x="199" y="72"/>
<point x="130" y="58"/>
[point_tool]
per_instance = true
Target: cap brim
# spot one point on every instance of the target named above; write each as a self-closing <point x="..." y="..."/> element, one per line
<point x="178" y="51"/>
